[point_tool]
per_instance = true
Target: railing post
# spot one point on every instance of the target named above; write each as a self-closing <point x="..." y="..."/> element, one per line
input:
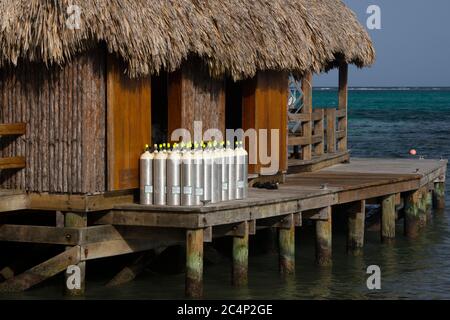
<point x="318" y="131"/>
<point x="307" y="108"/>
<point x="331" y="130"/>
<point x="343" y="103"/>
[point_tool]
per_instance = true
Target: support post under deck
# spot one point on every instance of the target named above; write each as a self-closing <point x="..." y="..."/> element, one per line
<point x="71" y="288"/>
<point x="412" y="213"/>
<point x="324" y="240"/>
<point x="356" y="224"/>
<point x="388" y="213"/>
<point x="194" y="263"/>
<point x="287" y="248"/>
<point x="240" y="259"/>
<point x="439" y="196"/>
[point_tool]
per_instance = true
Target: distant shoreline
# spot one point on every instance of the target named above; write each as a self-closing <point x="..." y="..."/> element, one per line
<point x="385" y="88"/>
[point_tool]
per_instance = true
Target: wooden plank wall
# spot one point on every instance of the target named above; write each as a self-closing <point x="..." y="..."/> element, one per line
<point x="264" y="106"/>
<point x="64" y="109"/>
<point x="129" y="125"/>
<point x="195" y="96"/>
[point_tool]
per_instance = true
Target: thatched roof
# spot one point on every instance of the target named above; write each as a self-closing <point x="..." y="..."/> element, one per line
<point x="235" y="37"/>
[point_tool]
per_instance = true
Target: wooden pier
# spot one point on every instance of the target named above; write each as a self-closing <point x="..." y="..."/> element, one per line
<point x="98" y="226"/>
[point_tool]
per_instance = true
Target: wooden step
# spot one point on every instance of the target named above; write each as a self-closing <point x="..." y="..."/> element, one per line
<point x="12" y="129"/>
<point x="12" y="163"/>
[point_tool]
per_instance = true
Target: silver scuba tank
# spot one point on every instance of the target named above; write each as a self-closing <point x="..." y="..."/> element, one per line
<point x="241" y="171"/>
<point x="174" y="177"/>
<point x="198" y="172"/>
<point x="216" y="175"/>
<point x="159" y="178"/>
<point x="224" y="173"/>
<point x="146" y="177"/>
<point x="187" y="177"/>
<point x="230" y="158"/>
<point x="207" y="168"/>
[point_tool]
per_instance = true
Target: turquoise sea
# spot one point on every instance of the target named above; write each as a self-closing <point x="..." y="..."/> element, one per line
<point x="383" y="122"/>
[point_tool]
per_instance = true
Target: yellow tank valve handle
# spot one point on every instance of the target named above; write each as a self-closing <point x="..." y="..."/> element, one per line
<point x="228" y="144"/>
<point x="168" y="146"/>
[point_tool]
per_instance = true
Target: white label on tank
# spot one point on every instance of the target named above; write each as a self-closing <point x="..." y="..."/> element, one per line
<point x="187" y="190"/>
<point x="176" y="190"/>
<point x="240" y="184"/>
<point x="225" y="186"/>
<point x="198" y="191"/>
<point x="148" y="189"/>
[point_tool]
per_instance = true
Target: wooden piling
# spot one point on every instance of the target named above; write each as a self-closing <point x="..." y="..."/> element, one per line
<point x="286" y="239"/>
<point x="324" y="240"/>
<point x="439" y="196"/>
<point x="240" y="258"/>
<point x="423" y="216"/>
<point x="412" y="216"/>
<point x="356" y="223"/>
<point x="388" y="213"/>
<point x="75" y="220"/>
<point x="194" y="263"/>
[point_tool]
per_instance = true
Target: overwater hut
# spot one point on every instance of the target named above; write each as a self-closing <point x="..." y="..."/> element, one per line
<point x="85" y="84"/>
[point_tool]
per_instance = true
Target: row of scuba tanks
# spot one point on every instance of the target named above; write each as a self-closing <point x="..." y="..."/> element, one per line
<point x="193" y="174"/>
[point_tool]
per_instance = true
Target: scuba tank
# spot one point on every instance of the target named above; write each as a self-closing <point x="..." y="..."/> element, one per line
<point x="207" y="168"/>
<point x="230" y="159"/>
<point x="216" y="175"/>
<point x="198" y="173"/>
<point x="187" y="177"/>
<point x="159" y="177"/>
<point x="174" y="177"/>
<point x="224" y="173"/>
<point x="241" y="171"/>
<point x="146" y="177"/>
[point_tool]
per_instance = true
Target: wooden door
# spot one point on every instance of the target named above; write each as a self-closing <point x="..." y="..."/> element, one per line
<point x="128" y="125"/>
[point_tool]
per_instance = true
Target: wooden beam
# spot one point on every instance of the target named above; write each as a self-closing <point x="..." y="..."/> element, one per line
<point x="113" y="248"/>
<point x="42" y="271"/>
<point x="80" y="203"/>
<point x="39" y="234"/>
<point x="12" y="163"/>
<point x="14" y="202"/>
<point x="131" y="271"/>
<point x="12" y="129"/>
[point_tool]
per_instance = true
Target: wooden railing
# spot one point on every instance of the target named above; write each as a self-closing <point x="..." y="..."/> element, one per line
<point x="321" y="131"/>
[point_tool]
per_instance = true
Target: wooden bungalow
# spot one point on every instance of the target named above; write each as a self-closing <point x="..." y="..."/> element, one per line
<point x="85" y="84"/>
<point x="78" y="103"/>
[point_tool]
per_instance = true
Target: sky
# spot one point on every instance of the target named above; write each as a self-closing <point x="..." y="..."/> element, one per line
<point x="412" y="46"/>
